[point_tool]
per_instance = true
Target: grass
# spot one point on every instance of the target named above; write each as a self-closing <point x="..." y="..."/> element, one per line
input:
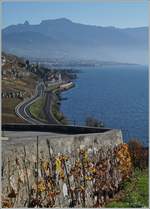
<point x="55" y="107"/>
<point x="9" y="104"/>
<point x="52" y="87"/>
<point x="36" y="109"/>
<point x="135" y="192"/>
<point x="8" y="110"/>
<point x="11" y="118"/>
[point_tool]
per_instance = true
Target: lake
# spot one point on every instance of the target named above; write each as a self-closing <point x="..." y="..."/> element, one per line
<point x="116" y="95"/>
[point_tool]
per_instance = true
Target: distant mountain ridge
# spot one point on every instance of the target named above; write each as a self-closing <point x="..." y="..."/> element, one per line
<point x="61" y="37"/>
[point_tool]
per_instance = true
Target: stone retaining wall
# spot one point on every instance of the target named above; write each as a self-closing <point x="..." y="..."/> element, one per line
<point x="19" y="160"/>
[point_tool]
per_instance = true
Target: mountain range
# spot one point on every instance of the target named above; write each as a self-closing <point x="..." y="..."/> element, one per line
<point x="62" y="38"/>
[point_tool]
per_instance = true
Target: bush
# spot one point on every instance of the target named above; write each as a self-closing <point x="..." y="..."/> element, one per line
<point x="139" y="154"/>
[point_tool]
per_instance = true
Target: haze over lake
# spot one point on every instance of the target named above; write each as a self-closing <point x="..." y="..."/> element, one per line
<point x="117" y="95"/>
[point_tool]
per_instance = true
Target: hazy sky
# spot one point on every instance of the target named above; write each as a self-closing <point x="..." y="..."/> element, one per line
<point x="120" y="14"/>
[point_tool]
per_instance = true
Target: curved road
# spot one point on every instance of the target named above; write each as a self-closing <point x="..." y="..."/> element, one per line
<point x="22" y="110"/>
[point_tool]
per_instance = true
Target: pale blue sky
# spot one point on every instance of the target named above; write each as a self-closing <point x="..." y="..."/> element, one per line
<point x="120" y="14"/>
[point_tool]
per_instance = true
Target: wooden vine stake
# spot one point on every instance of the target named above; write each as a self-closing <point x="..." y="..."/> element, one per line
<point x="26" y="171"/>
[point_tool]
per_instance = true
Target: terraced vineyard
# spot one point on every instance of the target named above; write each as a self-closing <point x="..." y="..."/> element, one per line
<point x="85" y="177"/>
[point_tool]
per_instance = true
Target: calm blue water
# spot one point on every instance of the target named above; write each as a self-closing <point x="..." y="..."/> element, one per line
<point x="118" y="96"/>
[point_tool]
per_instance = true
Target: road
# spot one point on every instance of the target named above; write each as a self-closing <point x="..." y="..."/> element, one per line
<point x="47" y="109"/>
<point x="22" y="110"/>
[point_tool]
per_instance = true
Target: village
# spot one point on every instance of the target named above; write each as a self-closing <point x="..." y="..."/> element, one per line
<point x="54" y="169"/>
<point x="20" y="78"/>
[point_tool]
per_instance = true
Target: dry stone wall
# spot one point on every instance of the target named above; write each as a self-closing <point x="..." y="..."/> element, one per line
<point x="60" y="171"/>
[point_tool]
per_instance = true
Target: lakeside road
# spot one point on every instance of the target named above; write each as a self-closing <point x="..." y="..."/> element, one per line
<point x="49" y="99"/>
<point x="47" y="109"/>
<point x="23" y="109"/>
<point x="48" y="102"/>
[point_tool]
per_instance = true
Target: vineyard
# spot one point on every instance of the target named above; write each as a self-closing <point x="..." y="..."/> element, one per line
<point x="85" y="177"/>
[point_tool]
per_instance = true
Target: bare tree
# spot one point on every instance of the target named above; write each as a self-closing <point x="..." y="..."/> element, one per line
<point x="93" y="122"/>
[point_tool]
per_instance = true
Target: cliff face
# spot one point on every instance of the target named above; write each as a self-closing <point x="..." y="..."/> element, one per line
<point x="25" y="158"/>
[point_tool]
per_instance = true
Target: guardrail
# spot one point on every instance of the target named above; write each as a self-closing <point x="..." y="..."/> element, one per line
<point x="64" y="129"/>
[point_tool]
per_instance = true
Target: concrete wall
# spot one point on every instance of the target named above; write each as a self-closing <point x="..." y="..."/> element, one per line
<point x="62" y="143"/>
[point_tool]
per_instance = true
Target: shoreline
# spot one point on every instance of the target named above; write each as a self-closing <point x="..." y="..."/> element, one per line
<point x="56" y="102"/>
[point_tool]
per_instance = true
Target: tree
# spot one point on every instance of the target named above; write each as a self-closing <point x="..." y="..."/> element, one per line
<point x="93" y="122"/>
<point x="27" y="64"/>
<point x="139" y="154"/>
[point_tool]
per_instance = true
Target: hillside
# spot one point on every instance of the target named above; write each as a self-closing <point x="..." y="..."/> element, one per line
<point x="17" y="84"/>
<point x="62" y="38"/>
